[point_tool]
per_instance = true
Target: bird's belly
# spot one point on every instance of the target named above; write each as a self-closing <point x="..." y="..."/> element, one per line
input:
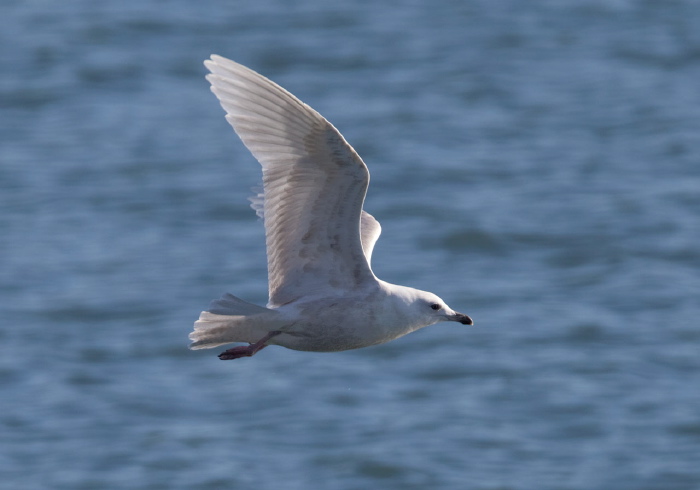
<point x="334" y="337"/>
<point x="338" y="323"/>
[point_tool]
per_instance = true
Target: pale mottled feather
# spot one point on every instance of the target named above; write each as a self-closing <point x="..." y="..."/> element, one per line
<point x="370" y="229"/>
<point x="314" y="185"/>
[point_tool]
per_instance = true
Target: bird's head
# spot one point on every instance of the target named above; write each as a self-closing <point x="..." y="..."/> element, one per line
<point x="428" y="308"/>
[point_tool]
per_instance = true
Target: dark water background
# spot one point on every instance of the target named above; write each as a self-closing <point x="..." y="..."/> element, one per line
<point x="537" y="164"/>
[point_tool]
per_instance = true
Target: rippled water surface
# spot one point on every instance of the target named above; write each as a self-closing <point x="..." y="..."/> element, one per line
<point x="537" y="164"/>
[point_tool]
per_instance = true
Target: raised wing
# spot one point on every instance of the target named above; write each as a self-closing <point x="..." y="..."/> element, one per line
<point x="370" y="229"/>
<point x="314" y="185"/>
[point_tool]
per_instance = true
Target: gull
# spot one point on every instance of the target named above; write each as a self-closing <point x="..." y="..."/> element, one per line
<point x="323" y="295"/>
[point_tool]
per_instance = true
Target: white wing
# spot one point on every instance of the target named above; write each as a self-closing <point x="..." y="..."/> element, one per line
<point x="314" y="185"/>
<point x="370" y="229"/>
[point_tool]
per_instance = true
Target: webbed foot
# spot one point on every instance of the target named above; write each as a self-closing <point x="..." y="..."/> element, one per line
<point x="247" y="350"/>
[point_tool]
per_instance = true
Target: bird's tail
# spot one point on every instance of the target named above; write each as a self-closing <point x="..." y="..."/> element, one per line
<point x="230" y="319"/>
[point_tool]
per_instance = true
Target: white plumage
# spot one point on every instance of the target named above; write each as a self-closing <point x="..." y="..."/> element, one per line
<point x="323" y="293"/>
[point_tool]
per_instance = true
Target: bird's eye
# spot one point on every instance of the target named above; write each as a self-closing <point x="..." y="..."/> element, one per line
<point x="435" y="306"/>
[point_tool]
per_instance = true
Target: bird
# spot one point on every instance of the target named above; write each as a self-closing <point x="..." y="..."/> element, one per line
<point x="323" y="294"/>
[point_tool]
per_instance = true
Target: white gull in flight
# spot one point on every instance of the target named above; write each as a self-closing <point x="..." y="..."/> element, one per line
<point x="324" y="296"/>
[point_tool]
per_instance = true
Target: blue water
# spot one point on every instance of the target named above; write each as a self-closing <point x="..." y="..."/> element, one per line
<point x="536" y="164"/>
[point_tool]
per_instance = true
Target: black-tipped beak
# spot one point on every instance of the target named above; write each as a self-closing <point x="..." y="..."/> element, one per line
<point x="461" y="318"/>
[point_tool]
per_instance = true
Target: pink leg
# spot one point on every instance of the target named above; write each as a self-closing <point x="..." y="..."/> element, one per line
<point x="247" y="350"/>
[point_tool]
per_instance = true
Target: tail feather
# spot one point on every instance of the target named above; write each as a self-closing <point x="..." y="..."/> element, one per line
<point x="230" y="319"/>
<point x="229" y="304"/>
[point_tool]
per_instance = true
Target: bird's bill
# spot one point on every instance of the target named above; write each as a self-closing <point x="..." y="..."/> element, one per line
<point x="461" y="318"/>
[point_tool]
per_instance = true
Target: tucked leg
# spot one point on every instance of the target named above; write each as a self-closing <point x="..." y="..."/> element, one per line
<point x="247" y="350"/>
